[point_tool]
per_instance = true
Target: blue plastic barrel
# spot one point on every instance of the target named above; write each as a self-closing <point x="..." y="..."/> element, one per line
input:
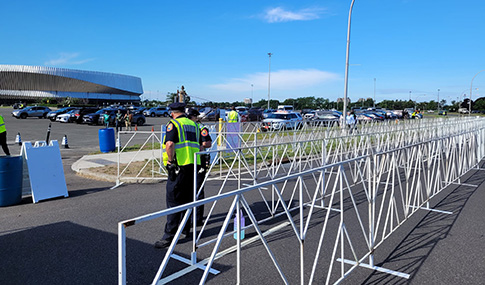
<point x="106" y="139"/>
<point x="10" y="180"/>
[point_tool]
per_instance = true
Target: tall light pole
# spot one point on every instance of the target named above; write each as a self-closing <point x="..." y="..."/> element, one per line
<point x="471" y="84"/>
<point x="252" y="97"/>
<point x="344" y="113"/>
<point x="269" y="77"/>
<point x="438" y="101"/>
<point x="374" y="93"/>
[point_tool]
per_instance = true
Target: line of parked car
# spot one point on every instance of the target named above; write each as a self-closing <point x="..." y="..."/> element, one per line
<point x="82" y="115"/>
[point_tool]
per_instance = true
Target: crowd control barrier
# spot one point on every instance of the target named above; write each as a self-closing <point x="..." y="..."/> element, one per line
<point x="331" y="201"/>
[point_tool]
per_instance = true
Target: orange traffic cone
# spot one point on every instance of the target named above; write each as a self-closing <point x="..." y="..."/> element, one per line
<point x="136" y="128"/>
<point x="152" y="129"/>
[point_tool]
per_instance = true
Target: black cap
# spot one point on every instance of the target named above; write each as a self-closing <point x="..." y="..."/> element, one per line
<point x="192" y="112"/>
<point x="177" y="106"/>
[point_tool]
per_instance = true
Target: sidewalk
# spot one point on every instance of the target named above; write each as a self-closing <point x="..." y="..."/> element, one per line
<point x="86" y="165"/>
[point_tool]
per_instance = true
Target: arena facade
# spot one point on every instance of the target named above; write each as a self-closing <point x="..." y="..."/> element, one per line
<point x="21" y="83"/>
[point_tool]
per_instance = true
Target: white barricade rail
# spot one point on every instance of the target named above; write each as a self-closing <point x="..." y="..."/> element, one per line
<point x="147" y="154"/>
<point x="342" y="195"/>
<point x="251" y="135"/>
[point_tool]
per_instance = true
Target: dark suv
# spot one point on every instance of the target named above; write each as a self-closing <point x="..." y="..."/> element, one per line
<point x="255" y="114"/>
<point x="93" y="118"/>
<point x="78" y="115"/>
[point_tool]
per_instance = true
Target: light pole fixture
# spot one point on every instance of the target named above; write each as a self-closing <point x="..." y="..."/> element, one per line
<point x="269" y="77"/>
<point x="344" y="113"/>
<point x="471" y="84"/>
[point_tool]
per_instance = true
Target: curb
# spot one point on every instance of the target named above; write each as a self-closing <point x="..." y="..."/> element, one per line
<point x="112" y="178"/>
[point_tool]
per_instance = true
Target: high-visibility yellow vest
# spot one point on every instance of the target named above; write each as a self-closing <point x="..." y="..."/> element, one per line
<point x="232" y="118"/>
<point x="2" y="125"/>
<point x="188" y="144"/>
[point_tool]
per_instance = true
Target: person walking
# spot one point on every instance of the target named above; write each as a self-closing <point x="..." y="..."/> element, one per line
<point x="3" y="136"/>
<point x="204" y="161"/>
<point x="128" y="118"/>
<point x="350" y="121"/>
<point x="182" y="141"/>
<point x="106" y="118"/>
<point x="233" y="116"/>
<point x="119" y="121"/>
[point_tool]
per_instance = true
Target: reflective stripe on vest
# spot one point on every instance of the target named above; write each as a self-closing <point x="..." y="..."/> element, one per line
<point x="232" y="117"/>
<point x="2" y="125"/>
<point x="188" y="133"/>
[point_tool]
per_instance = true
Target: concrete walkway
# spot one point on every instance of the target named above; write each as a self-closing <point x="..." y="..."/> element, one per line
<point x="86" y="165"/>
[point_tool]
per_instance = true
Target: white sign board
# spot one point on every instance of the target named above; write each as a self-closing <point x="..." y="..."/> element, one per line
<point x="46" y="173"/>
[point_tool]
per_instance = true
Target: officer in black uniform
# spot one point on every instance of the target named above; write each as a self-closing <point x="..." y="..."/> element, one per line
<point x="178" y="158"/>
<point x="204" y="161"/>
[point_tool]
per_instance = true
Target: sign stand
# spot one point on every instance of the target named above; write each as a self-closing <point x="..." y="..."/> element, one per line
<point x="45" y="170"/>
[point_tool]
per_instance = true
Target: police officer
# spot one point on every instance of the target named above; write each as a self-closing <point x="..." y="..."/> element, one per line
<point x="204" y="160"/>
<point x="3" y="136"/>
<point x="233" y="116"/>
<point x="182" y="141"/>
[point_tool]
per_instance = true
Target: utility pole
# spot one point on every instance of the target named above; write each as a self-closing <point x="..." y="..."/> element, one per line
<point x="269" y="78"/>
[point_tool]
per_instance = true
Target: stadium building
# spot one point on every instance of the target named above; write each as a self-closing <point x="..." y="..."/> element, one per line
<point x="20" y="83"/>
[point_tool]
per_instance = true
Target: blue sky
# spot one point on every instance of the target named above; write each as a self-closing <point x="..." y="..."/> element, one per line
<point x="218" y="49"/>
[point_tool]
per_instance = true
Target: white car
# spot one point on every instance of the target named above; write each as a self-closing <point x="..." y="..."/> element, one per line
<point x="282" y="120"/>
<point x="309" y="115"/>
<point x="64" y="118"/>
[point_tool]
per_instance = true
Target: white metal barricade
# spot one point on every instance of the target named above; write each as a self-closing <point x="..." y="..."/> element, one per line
<point x="348" y="193"/>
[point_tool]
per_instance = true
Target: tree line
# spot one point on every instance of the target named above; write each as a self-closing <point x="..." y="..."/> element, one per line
<point x="311" y="102"/>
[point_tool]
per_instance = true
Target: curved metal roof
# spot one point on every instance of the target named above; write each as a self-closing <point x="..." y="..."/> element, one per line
<point x="23" y="78"/>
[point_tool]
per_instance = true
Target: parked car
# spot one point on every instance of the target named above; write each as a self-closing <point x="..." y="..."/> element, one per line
<point x="93" y="118"/>
<point x="66" y="117"/>
<point x="326" y="118"/>
<point x="280" y="121"/>
<point x="79" y="114"/>
<point x="243" y="115"/>
<point x="204" y="111"/>
<point x="136" y="110"/>
<point x="138" y="118"/>
<point x="363" y="118"/>
<point x="32" y="111"/>
<point x="267" y="112"/>
<point x="157" y="111"/>
<point x="52" y="115"/>
<point x="309" y="115"/>
<point x="255" y="114"/>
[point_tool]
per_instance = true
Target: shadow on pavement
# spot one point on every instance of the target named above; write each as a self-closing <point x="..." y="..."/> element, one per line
<point x="413" y="251"/>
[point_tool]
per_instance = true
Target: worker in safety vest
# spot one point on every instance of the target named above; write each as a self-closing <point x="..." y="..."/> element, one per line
<point x="3" y="136"/>
<point x="181" y="143"/>
<point x="233" y="116"/>
<point x="204" y="161"/>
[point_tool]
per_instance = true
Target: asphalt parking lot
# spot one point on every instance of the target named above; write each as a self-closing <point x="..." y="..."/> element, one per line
<point x="74" y="240"/>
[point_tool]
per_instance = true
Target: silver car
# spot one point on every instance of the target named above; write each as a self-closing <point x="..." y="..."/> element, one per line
<point x="32" y="111"/>
<point x="282" y="120"/>
<point x="156" y="111"/>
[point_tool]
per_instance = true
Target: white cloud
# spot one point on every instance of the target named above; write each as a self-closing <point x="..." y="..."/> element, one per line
<point x="278" y="14"/>
<point x="280" y="80"/>
<point x="67" y="59"/>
